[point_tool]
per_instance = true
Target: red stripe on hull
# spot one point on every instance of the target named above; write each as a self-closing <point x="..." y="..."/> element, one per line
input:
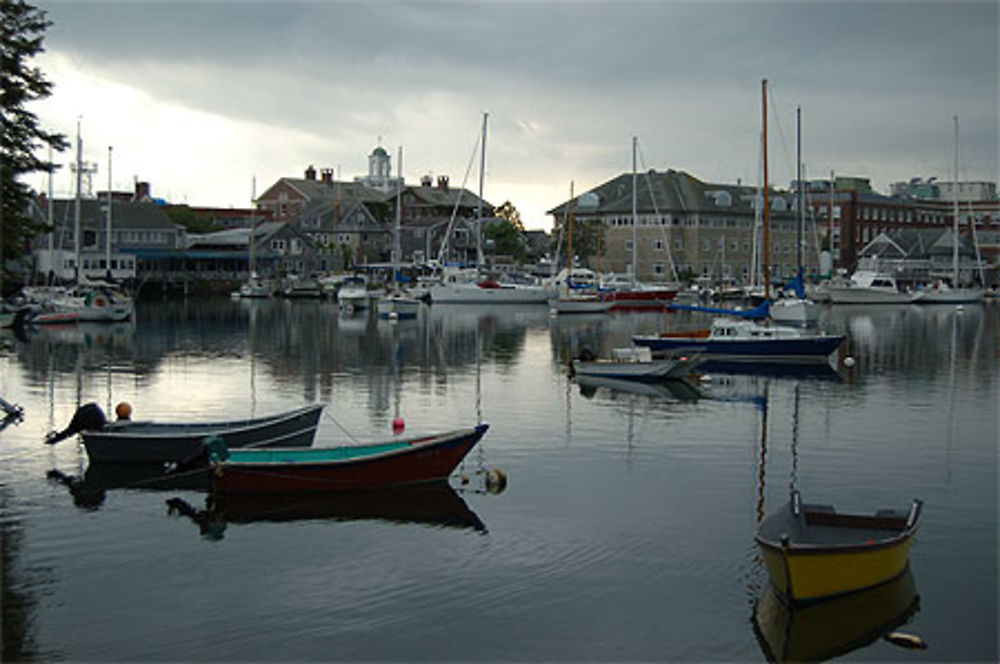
<point x="650" y="299"/>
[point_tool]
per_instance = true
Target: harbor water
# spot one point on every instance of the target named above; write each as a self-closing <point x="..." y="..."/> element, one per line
<point x="625" y="532"/>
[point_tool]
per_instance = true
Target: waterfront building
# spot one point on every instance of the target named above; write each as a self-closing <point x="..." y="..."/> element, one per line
<point x="700" y="229"/>
<point x="141" y="234"/>
<point x="280" y="249"/>
<point x="707" y="230"/>
<point x="351" y="223"/>
<point x="918" y="256"/>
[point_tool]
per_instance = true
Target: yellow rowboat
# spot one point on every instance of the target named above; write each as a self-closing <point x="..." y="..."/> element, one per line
<point x="811" y="552"/>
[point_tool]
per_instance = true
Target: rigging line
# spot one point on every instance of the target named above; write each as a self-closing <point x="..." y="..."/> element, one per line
<point x="341" y="427"/>
<point x="777" y="123"/>
<point x="656" y="212"/>
<point x="454" y="212"/>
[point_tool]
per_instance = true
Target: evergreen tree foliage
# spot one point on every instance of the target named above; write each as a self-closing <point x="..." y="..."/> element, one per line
<point x="21" y="30"/>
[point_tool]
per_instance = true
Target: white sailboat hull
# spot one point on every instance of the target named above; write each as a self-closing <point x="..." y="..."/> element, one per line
<point x="948" y="296"/>
<point x="470" y="293"/>
<point x="797" y="311"/>
<point x="580" y="305"/>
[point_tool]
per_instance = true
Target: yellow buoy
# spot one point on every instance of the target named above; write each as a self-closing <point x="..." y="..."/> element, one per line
<point x="496" y="480"/>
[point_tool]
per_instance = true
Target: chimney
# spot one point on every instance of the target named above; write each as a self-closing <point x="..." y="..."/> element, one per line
<point x="426" y="180"/>
<point x="310" y="173"/>
<point x="327" y="175"/>
<point x="141" y="191"/>
<point x="443" y="182"/>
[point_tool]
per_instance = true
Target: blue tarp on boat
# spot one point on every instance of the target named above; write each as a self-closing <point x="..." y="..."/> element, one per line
<point x="761" y="311"/>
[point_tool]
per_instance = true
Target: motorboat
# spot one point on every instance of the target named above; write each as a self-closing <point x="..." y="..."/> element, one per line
<point x="867" y="287"/>
<point x="637" y="363"/>
<point x="746" y="340"/>
<point x="134" y="441"/>
<point x="398" y="305"/>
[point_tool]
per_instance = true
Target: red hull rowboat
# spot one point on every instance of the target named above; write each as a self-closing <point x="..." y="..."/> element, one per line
<point x="394" y="463"/>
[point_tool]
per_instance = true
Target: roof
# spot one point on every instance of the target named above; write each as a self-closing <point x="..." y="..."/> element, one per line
<point x="318" y="190"/>
<point x="915" y="243"/>
<point x="93" y="214"/>
<point x="663" y="191"/>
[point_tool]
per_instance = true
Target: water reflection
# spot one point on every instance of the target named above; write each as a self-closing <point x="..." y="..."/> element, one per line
<point x="18" y="604"/>
<point x="912" y="338"/>
<point x="832" y="628"/>
<point x="436" y="504"/>
<point x="671" y="390"/>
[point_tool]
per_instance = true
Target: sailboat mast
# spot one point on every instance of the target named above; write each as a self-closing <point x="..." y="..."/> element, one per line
<point x="767" y="219"/>
<point x="569" y="237"/>
<point x="107" y="249"/>
<point x="479" y="205"/>
<point x="399" y="215"/>
<point x="954" y="190"/>
<point x="76" y="210"/>
<point x="253" y="231"/>
<point x="50" y="212"/>
<point x="798" y="177"/>
<point x="635" y="220"/>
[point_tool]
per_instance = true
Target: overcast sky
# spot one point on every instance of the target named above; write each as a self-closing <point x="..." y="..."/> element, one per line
<point x="200" y="98"/>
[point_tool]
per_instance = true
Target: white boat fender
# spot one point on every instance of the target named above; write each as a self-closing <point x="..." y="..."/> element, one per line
<point x="848" y="361"/>
<point x="705" y="378"/>
<point x="904" y="640"/>
<point x="88" y="416"/>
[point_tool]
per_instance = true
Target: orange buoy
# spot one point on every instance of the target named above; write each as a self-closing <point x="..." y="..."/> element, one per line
<point x="123" y="411"/>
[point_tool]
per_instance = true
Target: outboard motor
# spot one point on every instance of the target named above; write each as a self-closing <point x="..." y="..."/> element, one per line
<point x="88" y="416"/>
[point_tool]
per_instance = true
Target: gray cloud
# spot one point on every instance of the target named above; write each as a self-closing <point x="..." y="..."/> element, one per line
<point x="568" y="83"/>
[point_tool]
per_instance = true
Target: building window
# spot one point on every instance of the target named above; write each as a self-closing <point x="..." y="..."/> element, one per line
<point x="678" y="243"/>
<point x="706" y="245"/>
<point x="658" y="245"/>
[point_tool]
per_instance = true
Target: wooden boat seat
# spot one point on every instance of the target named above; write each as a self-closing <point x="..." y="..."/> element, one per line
<point x="822" y="525"/>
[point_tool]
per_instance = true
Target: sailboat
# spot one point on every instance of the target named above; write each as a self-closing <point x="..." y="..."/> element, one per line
<point x="572" y="299"/>
<point x="462" y="286"/>
<point x="795" y="307"/>
<point x="86" y="300"/>
<point x="941" y="292"/>
<point x="635" y="294"/>
<point x="255" y="285"/>
<point x="396" y="303"/>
